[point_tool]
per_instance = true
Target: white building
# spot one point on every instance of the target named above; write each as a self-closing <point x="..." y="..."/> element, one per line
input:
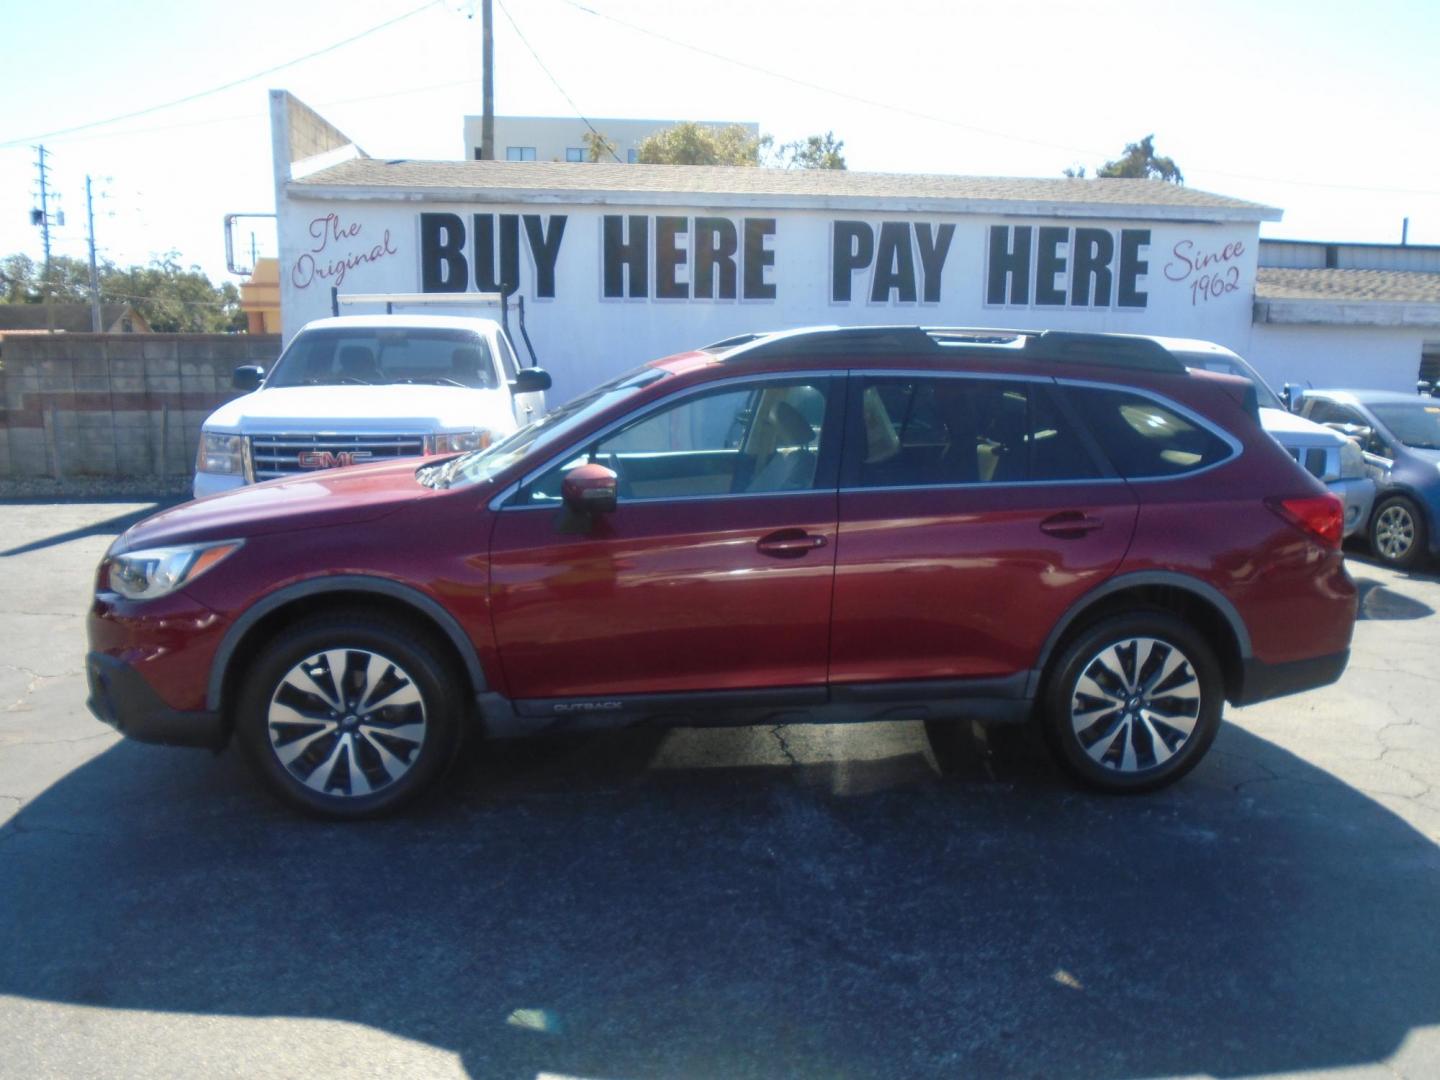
<point x="620" y="264"/>
<point x="561" y="138"/>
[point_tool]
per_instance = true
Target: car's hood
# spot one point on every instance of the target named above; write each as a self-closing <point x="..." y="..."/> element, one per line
<point x="1298" y="431"/>
<point x="312" y="500"/>
<point x="380" y="410"/>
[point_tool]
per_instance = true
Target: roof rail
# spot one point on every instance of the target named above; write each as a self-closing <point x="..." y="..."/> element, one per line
<point x="1060" y="346"/>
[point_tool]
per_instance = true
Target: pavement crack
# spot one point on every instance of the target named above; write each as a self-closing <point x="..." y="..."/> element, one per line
<point x="784" y="746"/>
<point x="36" y="678"/>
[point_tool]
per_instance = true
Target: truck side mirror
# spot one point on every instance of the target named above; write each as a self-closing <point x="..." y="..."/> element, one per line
<point x="530" y="380"/>
<point x="589" y="489"/>
<point x="247" y="377"/>
<point x="1293" y="396"/>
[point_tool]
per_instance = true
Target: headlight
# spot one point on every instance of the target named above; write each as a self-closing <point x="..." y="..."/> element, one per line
<point x="459" y="442"/>
<point x="219" y="453"/>
<point x="1352" y="461"/>
<point x="155" y="572"/>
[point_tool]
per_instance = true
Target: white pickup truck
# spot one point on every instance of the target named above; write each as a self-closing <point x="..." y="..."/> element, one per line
<point x="358" y="388"/>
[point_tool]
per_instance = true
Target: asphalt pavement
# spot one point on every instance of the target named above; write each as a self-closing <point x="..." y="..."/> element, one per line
<point x="757" y="902"/>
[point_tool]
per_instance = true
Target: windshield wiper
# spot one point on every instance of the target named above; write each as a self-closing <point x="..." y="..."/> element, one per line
<point x="434" y="380"/>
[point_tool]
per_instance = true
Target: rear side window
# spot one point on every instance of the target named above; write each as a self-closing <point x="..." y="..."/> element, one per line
<point x="1143" y="437"/>
<point x="918" y="431"/>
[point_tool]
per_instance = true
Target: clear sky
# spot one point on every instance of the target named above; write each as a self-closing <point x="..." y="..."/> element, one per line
<point x="1328" y="110"/>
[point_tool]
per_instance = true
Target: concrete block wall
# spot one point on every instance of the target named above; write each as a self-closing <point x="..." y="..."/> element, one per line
<point x="121" y="405"/>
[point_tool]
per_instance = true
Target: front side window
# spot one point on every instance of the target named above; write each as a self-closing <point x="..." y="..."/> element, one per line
<point x="376" y="357"/>
<point x="917" y="431"/>
<point x="756" y="438"/>
<point x="1143" y="437"/>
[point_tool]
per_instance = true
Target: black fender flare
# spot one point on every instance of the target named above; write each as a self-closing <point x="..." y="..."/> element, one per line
<point x="340" y="583"/>
<point x="1139" y="579"/>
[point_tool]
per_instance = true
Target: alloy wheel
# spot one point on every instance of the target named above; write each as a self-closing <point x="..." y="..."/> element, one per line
<point x="347" y="722"/>
<point x="1394" y="532"/>
<point x="1135" y="704"/>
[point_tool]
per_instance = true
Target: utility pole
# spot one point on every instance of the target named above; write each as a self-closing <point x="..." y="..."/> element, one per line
<point x="487" y="85"/>
<point x="96" y="324"/>
<point x="44" y="224"/>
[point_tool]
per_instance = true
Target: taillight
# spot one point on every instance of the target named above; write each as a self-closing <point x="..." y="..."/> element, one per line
<point x="1322" y="516"/>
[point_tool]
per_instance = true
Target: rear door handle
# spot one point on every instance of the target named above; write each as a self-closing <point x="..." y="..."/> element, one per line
<point x="789" y="543"/>
<point x="1070" y="525"/>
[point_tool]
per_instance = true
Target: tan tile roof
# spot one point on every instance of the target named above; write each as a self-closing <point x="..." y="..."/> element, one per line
<point x="701" y="180"/>
<point x="1349" y="286"/>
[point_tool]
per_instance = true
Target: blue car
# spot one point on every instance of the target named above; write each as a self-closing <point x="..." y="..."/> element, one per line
<point x="1400" y="434"/>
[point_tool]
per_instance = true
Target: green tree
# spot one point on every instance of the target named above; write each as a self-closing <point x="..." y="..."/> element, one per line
<point x="598" y="147"/>
<point x="171" y="297"/>
<point x="1138" y="162"/>
<point x="812" y="152"/>
<point x="689" y="143"/>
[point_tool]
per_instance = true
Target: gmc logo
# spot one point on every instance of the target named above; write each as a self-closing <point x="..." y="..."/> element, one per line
<point x="325" y="459"/>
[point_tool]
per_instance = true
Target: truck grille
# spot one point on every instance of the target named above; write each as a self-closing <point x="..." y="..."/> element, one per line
<point x="287" y="455"/>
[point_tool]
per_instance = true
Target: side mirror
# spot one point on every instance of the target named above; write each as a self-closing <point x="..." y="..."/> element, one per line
<point x="530" y="380"/>
<point x="589" y="489"/>
<point x="247" y="377"/>
<point x="1293" y="396"/>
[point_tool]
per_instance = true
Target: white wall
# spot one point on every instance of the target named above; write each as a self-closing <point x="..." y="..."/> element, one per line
<point x="583" y="337"/>
<point x="1371" y="357"/>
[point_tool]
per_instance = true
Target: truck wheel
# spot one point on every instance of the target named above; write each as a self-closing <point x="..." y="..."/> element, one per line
<point x="1397" y="532"/>
<point x="349" y="717"/>
<point x="1133" y="703"/>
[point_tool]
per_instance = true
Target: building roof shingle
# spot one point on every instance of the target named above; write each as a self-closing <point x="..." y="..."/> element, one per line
<point x="1348" y="286"/>
<point x="500" y="180"/>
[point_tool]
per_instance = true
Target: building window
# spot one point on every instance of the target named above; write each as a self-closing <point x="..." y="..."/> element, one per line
<point x="520" y="153"/>
<point x="574" y="153"/>
<point x="632" y="156"/>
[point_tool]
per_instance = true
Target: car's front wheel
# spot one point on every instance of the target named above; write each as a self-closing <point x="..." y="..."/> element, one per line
<point x="349" y="717"/>
<point x="1397" y="532"/>
<point x="1133" y="702"/>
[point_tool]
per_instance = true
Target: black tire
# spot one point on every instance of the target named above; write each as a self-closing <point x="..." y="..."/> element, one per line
<point x="398" y="731"/>
<point x="1397" y="532"/>
<point x="1161" y="694"/>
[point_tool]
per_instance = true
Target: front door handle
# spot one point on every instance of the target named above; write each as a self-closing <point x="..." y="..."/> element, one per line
<point x="1070" y="525"/>
<point x="789" y="543"/>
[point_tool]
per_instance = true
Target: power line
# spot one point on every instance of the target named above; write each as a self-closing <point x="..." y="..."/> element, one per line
<point x="515" y="26"/>
<point x="947" y="121"/>
<point x="225" y="86"/>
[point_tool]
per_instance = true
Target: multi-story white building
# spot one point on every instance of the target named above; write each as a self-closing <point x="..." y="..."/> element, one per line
<point x="562" y="138"/>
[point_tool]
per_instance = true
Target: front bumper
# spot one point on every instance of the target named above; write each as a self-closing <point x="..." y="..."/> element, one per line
<point x="1262" y="681"/>
<point x="120" y="696"/>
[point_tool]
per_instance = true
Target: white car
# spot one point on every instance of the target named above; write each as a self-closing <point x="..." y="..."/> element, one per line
<point x="360" y="388"/>
<point x="1334" y="460"/>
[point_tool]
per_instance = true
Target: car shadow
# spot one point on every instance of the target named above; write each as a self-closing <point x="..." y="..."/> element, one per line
<point x="653" y="905"/>
<point x="1379" y="603"/>
<point x="109" y="527"/>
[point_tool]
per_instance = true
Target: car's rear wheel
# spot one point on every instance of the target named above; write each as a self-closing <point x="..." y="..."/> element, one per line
<point x="349" y="717"/>
<point x="1133" y="702"/>
<point x="1397" y="532"/>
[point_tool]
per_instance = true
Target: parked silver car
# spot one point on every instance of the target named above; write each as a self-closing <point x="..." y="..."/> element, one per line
<point x="1333" y="459"/>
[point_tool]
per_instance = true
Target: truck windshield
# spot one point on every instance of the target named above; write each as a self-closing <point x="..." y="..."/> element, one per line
<point x="370" y="356"/>
<point x="535" y="437"/>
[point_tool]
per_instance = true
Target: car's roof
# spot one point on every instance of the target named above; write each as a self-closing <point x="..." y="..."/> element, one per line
<point x="1366" y="397"/>
<point x="403" y="321"/>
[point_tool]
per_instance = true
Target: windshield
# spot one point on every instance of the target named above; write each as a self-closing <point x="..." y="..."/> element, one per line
<point x="370" y="356"/>
<point x="1417" y="424"/>
<point x="1233" y="365"/>
<point x="550" y="429"/>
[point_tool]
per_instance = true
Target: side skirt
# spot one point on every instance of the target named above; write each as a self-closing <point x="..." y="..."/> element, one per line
<point x="997" y="700"/>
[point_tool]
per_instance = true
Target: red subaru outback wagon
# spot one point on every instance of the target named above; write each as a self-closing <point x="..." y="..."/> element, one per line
<point x="826" y="525"/>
